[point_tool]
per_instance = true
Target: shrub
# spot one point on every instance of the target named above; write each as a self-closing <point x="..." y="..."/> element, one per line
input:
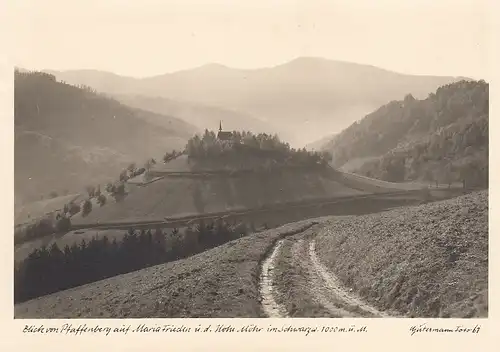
<point x="120" y="189"/>
<point x="119" y="192"/>
<point x="101" y="200"/>
<point x="87" y="207"/>
<point x="90" y="191"/>
<point x="131" y="167"/>
<point x="123" y="176"/>
<point x="73" y="208"/>
<point x="63" y="224"/>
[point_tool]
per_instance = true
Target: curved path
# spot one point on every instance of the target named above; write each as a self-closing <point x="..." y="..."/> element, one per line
<point x="271" y="308"/>
<point x="306" y="284"/>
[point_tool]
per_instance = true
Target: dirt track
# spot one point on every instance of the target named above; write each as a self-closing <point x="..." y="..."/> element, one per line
<point x="294" y="282"/>
<point x="421" y="261"/>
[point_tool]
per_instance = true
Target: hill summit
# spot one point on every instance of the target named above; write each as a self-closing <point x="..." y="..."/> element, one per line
<point x="310" y="95"/>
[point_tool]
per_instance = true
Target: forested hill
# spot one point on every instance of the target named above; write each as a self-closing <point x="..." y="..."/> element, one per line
<point x="443" y="137"/>
<point x="67" y="137"/>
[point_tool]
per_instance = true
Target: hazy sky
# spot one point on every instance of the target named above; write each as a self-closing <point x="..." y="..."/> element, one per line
<point x="148" y="37"/>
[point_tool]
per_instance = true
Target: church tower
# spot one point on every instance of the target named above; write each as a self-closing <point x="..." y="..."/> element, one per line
<point x="222" y="135"/>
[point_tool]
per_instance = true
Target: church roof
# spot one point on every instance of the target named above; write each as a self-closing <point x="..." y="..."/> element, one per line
<point x="224" y="135"/>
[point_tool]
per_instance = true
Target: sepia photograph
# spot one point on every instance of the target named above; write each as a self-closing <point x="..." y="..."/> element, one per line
<point x="250" y="159"/>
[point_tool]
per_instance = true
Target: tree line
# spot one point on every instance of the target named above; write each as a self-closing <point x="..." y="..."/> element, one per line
<point x="48" y="270"/>
<point x="246" y="145"/>
<point x="458" y="154"/>
<point x="169" y="156"/>
<point x="440" y="139"/>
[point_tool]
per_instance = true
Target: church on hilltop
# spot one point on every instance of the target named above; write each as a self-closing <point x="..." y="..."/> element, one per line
<point x="224" y="135"/>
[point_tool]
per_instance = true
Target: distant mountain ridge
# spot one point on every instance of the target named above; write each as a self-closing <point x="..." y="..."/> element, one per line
<point x="320" y="143"/>
<point x="199" y="115"/>
<point x="301" y="99"/>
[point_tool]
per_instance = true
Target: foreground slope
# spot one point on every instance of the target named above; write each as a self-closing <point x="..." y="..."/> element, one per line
<point x="430" y="260"/>
<point x="68" y="137"/>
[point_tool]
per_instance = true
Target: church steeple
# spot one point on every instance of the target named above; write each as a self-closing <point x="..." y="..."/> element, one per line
<point x="224" y="136"/>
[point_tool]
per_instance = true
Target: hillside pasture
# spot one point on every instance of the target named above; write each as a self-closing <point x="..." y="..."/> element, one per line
<point x="183" y="196"/>
<point x="30" y="211"/>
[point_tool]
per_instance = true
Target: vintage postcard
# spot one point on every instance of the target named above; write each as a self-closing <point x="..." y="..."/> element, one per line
<point x="248" y="174"/>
